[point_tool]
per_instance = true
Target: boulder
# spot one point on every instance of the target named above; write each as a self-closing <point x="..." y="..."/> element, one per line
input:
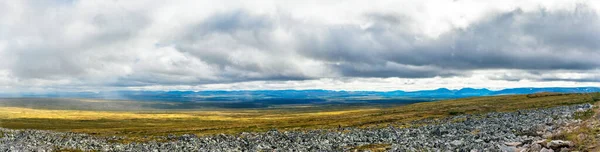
<point x="557" y="144"/>
<point x="513" y="143"/>
<point x="546" y="150"/>
<point x="535" y="148"/>
<point x="456" y="142"/>
<point x="507" y="148"/>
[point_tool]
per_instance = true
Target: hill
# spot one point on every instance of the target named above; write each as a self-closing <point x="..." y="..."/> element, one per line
<point x="266" y="98"/>
<point x="137" y="124"/>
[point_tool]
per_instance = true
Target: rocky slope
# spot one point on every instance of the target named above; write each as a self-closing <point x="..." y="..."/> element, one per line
<point x="523" y="130"/>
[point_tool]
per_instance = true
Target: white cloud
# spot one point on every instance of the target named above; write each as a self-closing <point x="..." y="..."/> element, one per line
<point x="478" y="80"/>
<point x="293" y="44"/>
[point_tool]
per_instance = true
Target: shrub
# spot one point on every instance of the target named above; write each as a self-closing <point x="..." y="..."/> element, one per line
<point x="596" y="96"/>
<point x="456" y="113"/>
<point x="583" y="115"/>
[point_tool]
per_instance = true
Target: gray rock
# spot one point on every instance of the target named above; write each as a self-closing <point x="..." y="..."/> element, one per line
<point x="495" y="131"/>
<point x="565" y="149"/>
<point x="557" y="144"/>
<point x="507" y="148"/>
<point x="513" y="144"/>
<point x="546" y="150"/>
<point x="535" y="148"/>
<point x="456" y="142"/>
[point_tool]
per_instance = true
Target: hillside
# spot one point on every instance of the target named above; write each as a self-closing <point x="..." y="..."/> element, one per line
<point x="478" y="123"/>
<point x="510" y="122"/>
<point x="137" y="124"/>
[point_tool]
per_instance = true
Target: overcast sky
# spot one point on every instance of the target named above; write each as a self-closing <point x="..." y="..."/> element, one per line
<point x="70" y="45"/>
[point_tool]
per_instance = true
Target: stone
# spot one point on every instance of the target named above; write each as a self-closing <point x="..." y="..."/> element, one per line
<point x="457" y="142"/>
<point x="535" y="148"/>
<point x="546" y="150"/>
<point x="507" y="148"/>
<point x="494" y="131"/>
<point x="513" y="144"/>
<point x="557" y="144"/>
<point x="541" y="142"/>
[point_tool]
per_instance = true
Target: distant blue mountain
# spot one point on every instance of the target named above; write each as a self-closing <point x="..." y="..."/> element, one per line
<point x="473" y="92"/>
<point x="300" y="96"/>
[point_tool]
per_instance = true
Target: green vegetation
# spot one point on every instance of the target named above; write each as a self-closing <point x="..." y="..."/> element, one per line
<point x="584" y="134"/>
<point x="144" y="125"/>
<point x="584" y="115"/>
<point x="544" y="94"/>
<point x="583" y="137"/>
<point x="452" y="113"/>
<point x="596" y="96"/>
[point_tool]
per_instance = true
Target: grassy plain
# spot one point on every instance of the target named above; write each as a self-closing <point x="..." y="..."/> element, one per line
<point x="143" y="125"/>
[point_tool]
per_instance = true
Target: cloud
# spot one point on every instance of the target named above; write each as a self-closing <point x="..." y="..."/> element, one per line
<point x="523" y="40"/>
<point x="84" y="44"/>
<point x="537" y="40"/>
<point x="58" y="41"/>
<point x="544" y="75"/>
<point x="512" y="40"/>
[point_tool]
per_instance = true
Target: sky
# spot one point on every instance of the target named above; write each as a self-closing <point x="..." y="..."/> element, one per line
<point x="88" y="45"/>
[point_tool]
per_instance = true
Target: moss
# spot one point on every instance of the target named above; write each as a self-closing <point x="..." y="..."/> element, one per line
<point x="475" y="132"/>
<point x="543" y="94"/>
<point x="583" y="115"/>
<point x="452" y="113"/>
<point x="584" y="134"/>
<point x="560" y="136"/>
<point x="596" y="96"/>
<point x="583" y="137"/>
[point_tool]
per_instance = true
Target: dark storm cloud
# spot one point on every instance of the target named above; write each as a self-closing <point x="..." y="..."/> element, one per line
<point x="548" y="75"/>
<point x="566" y="30"/>
<point x="572" y="79"/>
<point x="351" y="43"/>
<point x="513" y="40"/>
<point x="220" y="38"/>
<point x="392" y="70"/>
<point x="390" y="47"/>
<point x="518" y="40"/>
<point x="231" y="26"/>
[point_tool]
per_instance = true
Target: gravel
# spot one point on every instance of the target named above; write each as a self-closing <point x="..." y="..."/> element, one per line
<point x="495" y="131"/>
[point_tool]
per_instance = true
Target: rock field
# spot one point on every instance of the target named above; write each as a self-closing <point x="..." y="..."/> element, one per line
<point x="524" y="130"/>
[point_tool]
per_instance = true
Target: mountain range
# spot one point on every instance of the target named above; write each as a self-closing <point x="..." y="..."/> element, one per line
<point x="292" y="96"/>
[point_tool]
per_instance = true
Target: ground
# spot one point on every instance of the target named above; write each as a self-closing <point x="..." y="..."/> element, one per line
<point x="144" y="125"/>
<point x="584" y="134"/>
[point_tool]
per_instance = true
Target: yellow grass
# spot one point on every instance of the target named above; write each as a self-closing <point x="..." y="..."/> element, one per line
<point x="22" y="113"/>
<point x="16" y="113"/>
